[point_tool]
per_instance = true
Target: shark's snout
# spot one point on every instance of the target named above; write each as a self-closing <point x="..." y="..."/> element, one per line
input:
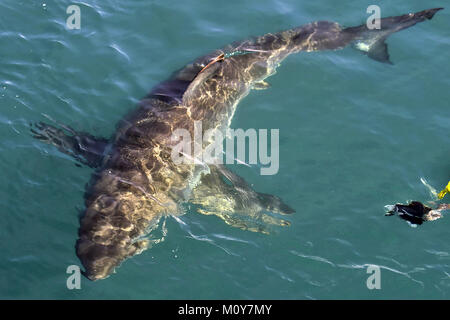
<point x="98" y="260"/>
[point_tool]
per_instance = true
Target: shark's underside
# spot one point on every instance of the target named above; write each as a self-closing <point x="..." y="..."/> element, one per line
<point x="136" y="183"/>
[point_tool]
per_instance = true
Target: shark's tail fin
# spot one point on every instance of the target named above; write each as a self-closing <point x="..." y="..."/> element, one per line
<point x="372" y="41"/>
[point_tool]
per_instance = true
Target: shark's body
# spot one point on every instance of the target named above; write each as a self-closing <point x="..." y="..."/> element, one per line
<point x="137" y="183"/>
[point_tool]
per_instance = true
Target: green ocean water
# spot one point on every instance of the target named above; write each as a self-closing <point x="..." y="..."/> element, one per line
<point x="355" y="135"/>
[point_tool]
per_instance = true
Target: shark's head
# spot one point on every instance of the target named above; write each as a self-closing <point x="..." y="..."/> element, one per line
<point x="98" y="260"/>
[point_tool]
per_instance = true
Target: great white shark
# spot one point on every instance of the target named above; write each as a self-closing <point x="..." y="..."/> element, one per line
<point x="136" y="182"/>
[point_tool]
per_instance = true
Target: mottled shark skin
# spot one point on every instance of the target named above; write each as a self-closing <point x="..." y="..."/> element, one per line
<point x="137" y="183"/>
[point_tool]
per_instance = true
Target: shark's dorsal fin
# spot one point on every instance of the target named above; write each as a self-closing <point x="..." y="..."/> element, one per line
<point x="203" y="75"/>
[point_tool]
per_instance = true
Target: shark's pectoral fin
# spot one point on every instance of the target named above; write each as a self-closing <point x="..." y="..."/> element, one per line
<point x="237" y="203"/>
<point x="263" y="224"/>
<point x="234" y="215"/>
<point x="266" y="201"/>
<point x="261" y="85"/>
<point x="377" y="51"/>
<point x="83" y="147"/>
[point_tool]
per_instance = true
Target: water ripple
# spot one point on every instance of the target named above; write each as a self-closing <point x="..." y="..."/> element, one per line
<point x="314" y="258"/>
<point x="203" y="238"/>
<point x="364" y="266"/>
